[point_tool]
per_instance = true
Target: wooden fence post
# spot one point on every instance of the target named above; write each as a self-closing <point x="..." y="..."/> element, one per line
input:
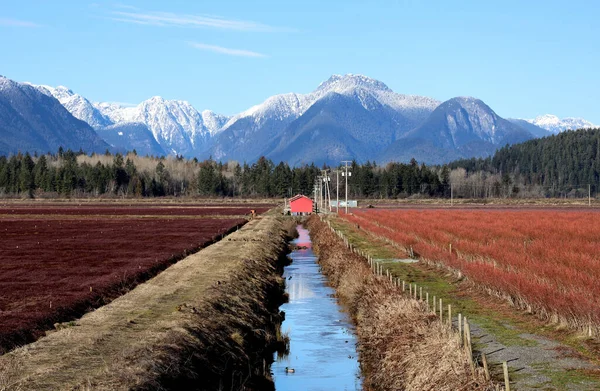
<point x="441" y="312"/>
<point x="465" y="328"/>
<point x="421" y="293"/>
<point x="434" y="302"/>
<point x="460" y="336"/>
<point x="486" y="370"/>
<point x="427" y="299"/>
<point x="506" y="379"/>
<point x="469" y="347"/>
<point x="450" y="315"/>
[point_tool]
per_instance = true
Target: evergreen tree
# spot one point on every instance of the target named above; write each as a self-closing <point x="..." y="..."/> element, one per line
<point x="26" y="179"/>
<point x="208" y="180"/>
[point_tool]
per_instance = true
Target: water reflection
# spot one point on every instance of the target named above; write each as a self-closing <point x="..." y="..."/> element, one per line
<point x="322" y="343"/>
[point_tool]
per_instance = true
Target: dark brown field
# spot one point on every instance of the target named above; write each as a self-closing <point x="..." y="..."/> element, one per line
<point x="57" y="262"/>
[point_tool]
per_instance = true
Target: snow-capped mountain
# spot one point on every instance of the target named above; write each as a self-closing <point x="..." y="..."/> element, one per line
<point x="213" y="122"/>
<point x="31" y="121"/>
<point x="414" y="107"/>
<point x="346" y="117"/>
<point x="460" y="127"/>
<point x="176" y="125"/>
<point x="256" y="131"/>
<point x="77" y="105"/>
<point x="464" y="119"/>
<point x="336" y="127"/>
<point x="293" y="105"/>
<point x="554" y="124"/>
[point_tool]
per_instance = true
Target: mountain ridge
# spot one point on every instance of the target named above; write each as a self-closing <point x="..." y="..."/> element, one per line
<point x="554" y="124"/>
<point x="31" y="121"/>
<point x="459" y="127"/>
<point x="270" y="119"/>
<point x="351" y="115"/>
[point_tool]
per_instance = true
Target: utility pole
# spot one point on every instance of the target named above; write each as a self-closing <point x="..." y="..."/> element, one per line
<point x="346" y="174"/>
<point x="322" y="203"/>
<point x="319" y="192"/>
<point x="589" y="195"/>
<point x="337" y="191"/>
<point x="325" y="192"/>
<point x="327" y="200"/>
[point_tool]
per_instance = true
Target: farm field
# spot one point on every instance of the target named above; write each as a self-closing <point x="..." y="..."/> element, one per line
<point x="545" y="261"/>
<point x="57" y="262"/>
<point x="134" y="211"/>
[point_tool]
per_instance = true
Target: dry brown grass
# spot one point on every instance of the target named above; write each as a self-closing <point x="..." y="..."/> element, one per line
<point x="9" y="379"/>
<point x="207" y="322"/>
<point x="401" y="345"/>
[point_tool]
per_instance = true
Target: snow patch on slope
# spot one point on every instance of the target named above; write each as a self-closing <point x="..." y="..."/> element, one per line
<point x="176" y="124"/>
<point x="556" y="125"/>
<point x="77" y="105"/>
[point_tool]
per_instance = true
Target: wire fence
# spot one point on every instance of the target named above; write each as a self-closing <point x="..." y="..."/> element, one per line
<point x="472" y="191"/>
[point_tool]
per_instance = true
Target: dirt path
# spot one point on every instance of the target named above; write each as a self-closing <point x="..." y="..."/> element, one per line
<point x="538" y="364"/>
<point x="539" y="356"/>
<point x="139" y="338"/>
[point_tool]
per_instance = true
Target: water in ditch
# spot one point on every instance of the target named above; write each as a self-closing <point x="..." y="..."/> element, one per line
<point x="322" y="352"/>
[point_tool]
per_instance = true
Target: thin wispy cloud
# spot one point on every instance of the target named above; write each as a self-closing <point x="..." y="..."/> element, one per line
<point x="170" y="19"/>
<point x="227" y="51"/>
<point x="126" y="6"/>
<point x="17" y="23"/>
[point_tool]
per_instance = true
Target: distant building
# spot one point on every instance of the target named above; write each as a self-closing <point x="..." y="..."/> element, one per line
<point x="351" y="204"/>
<point x="301" y="205"/>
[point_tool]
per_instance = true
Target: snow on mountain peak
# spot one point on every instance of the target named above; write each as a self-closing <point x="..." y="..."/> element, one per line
<point x="343" y="83"/>
<point x="368" y="91"/>
<point x="471" y="105"/>
<point x="554" y="124"/>
<point x="473" y="114"/>
<point x="214" y="122"/>
<point x="176" y="124"/>
<point x="277" y="106"/>
<point x="77" y="105"/>
<point x="467" y="100"/>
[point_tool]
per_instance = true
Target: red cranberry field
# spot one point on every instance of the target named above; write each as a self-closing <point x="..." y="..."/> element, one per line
<point x="152" y="210"/>
<point x="545" y="261"/>
<point x="57" y="262"/>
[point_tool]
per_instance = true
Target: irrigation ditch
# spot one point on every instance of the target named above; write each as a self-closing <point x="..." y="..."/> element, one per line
<point x="322" y="350"/>
<point x="402" y="343"/>
<point x="209" y="322"/>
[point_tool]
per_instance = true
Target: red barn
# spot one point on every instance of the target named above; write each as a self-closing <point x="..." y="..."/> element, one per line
<point x="300" y="205"/>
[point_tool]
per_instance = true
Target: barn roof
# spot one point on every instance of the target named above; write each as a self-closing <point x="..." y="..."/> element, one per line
<point x="297" y="197"/>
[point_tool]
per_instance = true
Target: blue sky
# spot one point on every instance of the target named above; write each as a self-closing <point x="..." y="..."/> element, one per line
<point x="523" y="58"/>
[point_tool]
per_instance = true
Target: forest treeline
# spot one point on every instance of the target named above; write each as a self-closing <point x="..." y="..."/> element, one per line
<point x="68" y="173"/>
<point x="556" y="166"/>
